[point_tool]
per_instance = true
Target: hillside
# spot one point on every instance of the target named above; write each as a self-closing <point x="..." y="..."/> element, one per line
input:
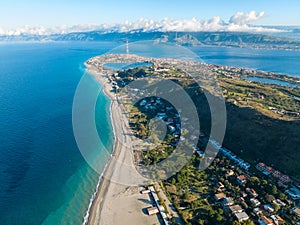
<point x="229" y="39"/>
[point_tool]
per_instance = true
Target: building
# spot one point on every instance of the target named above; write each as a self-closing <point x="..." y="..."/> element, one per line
<point x="277" y="219"/>
<point x="227" y="202"/>
<point x="257" y="211"/>
<point x="242" y="179"/>
<point x="241" y="216"/>
<point x="219" y="196"/>
<point x="285" y="179"/>
<point x="279" y="203"/>
<point x="269" y="208"/>
<point x="235" y="209"/>
<point x="253" y="193"/>
<point x="220" y="185"/>
<point x="267" y="170"/>
<point x="296" y="211"/>
<point x="243" y="194"/>
<point x="229" y="173"/>
<point x="265" y="221"/>
<point x="255" y="202"/>
<point x="152" y="211"/>
<point x="294" y="193"/>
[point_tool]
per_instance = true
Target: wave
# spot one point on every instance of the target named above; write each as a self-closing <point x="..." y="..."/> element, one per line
<point x="94" y="196"/>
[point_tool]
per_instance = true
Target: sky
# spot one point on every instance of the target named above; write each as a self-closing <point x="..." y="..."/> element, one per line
<point x="17" y="13"/>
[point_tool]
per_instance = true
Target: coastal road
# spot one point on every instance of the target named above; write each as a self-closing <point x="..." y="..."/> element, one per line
<point x="170" y="207"/>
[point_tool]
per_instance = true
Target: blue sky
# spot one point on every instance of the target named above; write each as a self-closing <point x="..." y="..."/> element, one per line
<point x="16" y="13"/>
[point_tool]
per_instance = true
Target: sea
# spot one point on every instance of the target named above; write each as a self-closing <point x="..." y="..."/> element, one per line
<point x="44" y="178"/>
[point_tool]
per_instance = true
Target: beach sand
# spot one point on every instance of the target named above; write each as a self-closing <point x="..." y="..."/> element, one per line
<point x="118" y="200"/>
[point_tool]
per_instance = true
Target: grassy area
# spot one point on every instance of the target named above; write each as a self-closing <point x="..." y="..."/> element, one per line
<point x="259" y="97"/>
<point x="253" y="131"/>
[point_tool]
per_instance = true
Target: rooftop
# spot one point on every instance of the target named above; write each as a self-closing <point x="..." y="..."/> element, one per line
<point x="235" y="208"/>
<point x="242" y="216"/>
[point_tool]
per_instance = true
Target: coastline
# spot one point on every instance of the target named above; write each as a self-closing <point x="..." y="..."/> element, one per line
<point x="117" y="197"/>
<point x="97" y="200"/>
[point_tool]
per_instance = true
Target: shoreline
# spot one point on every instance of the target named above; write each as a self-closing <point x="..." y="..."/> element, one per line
<point x="98" y="197"/>
<point x="117" y="198"/>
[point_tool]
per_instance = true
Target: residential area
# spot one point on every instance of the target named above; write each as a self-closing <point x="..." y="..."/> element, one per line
<point x="231" y="190"/>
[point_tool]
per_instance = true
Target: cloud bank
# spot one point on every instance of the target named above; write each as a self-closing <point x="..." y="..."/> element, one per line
<point x="245" y="18"/>
<point x="240" y="22"/>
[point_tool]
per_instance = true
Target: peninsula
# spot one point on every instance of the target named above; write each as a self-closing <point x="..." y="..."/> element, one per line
<point x="254" y="111"/>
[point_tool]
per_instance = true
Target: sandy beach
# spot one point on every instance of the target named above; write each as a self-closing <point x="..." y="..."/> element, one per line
<point x="118" y="200"/>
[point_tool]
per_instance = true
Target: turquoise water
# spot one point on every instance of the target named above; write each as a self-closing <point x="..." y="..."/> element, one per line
<point x="44" y="179"/>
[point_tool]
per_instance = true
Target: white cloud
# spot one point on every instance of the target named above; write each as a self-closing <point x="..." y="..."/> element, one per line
<point x="241" y="18"/>
<point x="238" y="22"/>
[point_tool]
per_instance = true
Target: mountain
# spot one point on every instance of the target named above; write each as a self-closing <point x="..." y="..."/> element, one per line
<point x="229" y="39"/>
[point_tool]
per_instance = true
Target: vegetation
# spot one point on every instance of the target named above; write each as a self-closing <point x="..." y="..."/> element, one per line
<point x="260" y="97"/>
<point x="192" y="192"/>
<point x="254" y="132"/>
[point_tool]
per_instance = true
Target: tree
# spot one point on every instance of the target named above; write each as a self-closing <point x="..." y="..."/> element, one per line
<point x="220" y="211"/>
<point x="274" y="190"/>
<point x="276" y="207"/>
<point x="201" y="222"/>
<point x="247" y="222"/>
<point x="282" y="196"/>
<point x="219" y="218"/>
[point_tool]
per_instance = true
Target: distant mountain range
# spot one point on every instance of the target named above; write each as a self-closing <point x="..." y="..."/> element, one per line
<point x="229" y="39"/>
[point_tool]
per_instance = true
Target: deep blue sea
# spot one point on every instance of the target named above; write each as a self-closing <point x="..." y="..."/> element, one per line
<point x="280" y="61"/>
<point x="44" y="179"/>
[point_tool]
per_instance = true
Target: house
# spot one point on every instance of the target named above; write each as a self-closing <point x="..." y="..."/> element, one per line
<point x="235" y="209"/>
<point x="244" y="194"/>
<point x="285" y="179"/>
<point x="257" y="211"/>
<point x="255" y="202"/>
<point x="277" y="219"/>
<point x="230" y="173"/>
<point x="294" y="193"/>
<point x="279" y="202"/>
<point x="241" y="216"/>
<point x="241" y="179"/>
<point x="152" y="211"/>
<point x="219" y="196"/>
<point x="263" y="168"/>
<point x="253" y="193"/>
<point x="296" y="211"/>
<point x="220" y="185"/>
<point x="265" y="221"/>
<point x="227" y="202"/>
<point x="269" y="208"/>
<point x="260" y="166"/>
<point x="241" y="199"/>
